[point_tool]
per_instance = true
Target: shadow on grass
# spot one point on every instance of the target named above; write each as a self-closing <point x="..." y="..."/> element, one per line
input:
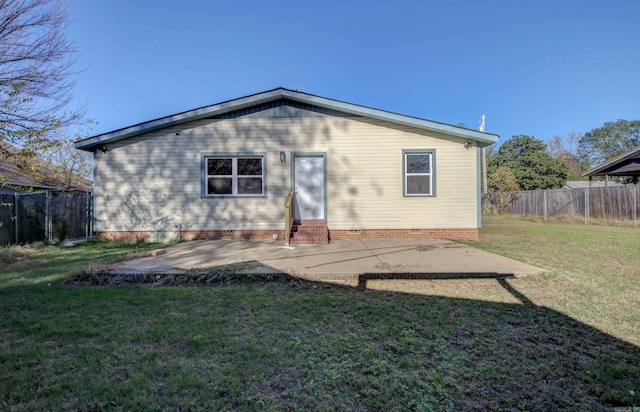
<point x="42" y="264"/>
<point x="303" y="345"/>
<point x="525" y="356"/>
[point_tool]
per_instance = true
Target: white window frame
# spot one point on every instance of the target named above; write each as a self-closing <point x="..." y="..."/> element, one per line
<point x="234" y="173"/>
<point x="432" y="172"/>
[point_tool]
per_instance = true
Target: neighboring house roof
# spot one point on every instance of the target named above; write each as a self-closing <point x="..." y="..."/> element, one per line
<point x="585" y="184"/>
<point x="627" y="164"/>
<point x="49" y="178"/>
<point x="481" y="138"/>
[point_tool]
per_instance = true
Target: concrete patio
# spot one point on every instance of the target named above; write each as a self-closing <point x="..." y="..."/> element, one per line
<point x="344" y="261"/>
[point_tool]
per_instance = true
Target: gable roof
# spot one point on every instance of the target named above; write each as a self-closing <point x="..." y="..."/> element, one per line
<point x="483" y="139"/>
<point x="11" y="175"/>
<point x="627" y="164"/>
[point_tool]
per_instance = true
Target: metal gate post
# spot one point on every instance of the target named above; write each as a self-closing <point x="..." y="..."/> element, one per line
<point x="586" y="205"/>
<point x="47" y="218"/>
<point x="86" y="215"/>
<point x="635" y="205"/>
<point x="544" y="193"/>
<point x="15" y="208"/>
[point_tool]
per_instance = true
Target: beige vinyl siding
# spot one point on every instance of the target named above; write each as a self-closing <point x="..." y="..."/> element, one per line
<point x="153" y="181"/>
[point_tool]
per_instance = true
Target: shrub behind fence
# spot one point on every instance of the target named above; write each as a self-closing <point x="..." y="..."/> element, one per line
<point x="604" y="203"/>
<point x="51" y="216"/>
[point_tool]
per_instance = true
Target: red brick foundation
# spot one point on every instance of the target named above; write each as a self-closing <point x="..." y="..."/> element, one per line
<point x="143" y="236"/>
<point x="403" y="234"/>
<point x="126" y="236"/>
<point x="260" y="235"/>
<point x="267" y="235"/>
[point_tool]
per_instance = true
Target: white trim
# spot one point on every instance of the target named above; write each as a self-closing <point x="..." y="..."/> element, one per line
<point x="431" y="174"/>
<point x="234" y="176"/>
<point x="243" y="102"/>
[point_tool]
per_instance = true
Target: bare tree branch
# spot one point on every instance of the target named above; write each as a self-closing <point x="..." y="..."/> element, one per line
<point x="36" y="78"/>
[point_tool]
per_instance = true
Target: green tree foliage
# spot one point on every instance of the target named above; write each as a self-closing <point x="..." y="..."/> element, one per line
<point x="530" y="162"/>
<point x="503" y="180"/>
<point x="608" y="141"/>
<point x="504" y="185"/>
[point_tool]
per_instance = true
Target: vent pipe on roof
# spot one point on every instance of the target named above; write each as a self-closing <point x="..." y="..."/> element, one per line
<point x="485" y="186"/>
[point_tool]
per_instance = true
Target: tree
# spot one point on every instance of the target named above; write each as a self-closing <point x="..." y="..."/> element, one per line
<point x="608" y="141"/>
<point x="60" y="166"/>
<point x="503" y="180"/>
<point x="36" y="80"/>
<point x="505" y="186"/>
<point x="487" y="153"/>
<point x="565" y="151"/>
<point x="70" y="163"/>
<point x="533" y="167"/>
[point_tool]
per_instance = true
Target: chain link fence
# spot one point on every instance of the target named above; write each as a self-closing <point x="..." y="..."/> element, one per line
<point x="52" y="216"/>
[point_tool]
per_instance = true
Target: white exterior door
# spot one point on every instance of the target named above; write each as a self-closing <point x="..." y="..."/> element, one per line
<point x="308" y="177"/>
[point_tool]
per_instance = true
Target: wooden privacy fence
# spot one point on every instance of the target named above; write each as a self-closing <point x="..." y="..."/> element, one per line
<point x="51" y="216"/>
<point x="604" y="203"/>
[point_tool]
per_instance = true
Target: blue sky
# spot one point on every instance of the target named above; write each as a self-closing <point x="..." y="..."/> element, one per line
<point x="540" y="68"/>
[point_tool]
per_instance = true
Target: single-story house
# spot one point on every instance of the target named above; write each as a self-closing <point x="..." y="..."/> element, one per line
<point x="260" y="166"/>
<point x="14" y="179"/>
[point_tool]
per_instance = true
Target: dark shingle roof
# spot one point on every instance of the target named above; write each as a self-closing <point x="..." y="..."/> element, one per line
<point x="627" y="164"/>
<point x="49" y="177"/>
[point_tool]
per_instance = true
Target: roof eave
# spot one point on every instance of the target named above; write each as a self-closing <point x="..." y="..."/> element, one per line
<point x="483" y="139"/>
<point x="600" y="170"/>
<point x="175" y="120"/>
<point x="13" y="184"/>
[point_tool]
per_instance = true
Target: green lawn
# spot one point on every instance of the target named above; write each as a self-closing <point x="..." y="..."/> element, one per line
<point x="594" y="270"/>
<point x="568" y="339"/>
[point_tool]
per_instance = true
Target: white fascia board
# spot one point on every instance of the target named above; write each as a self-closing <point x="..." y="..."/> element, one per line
<point x="484" y="139"/>
<point x="176" y="119"/>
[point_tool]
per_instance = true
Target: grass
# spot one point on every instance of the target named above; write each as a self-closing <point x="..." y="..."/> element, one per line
<point x="39" y="264"/>
<point x="594" y="270"/>
<point x="564" y="340"/>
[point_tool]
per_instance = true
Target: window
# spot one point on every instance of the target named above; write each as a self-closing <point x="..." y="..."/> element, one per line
<point x="419" y="172"/>
<point x="234" y="175"/>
